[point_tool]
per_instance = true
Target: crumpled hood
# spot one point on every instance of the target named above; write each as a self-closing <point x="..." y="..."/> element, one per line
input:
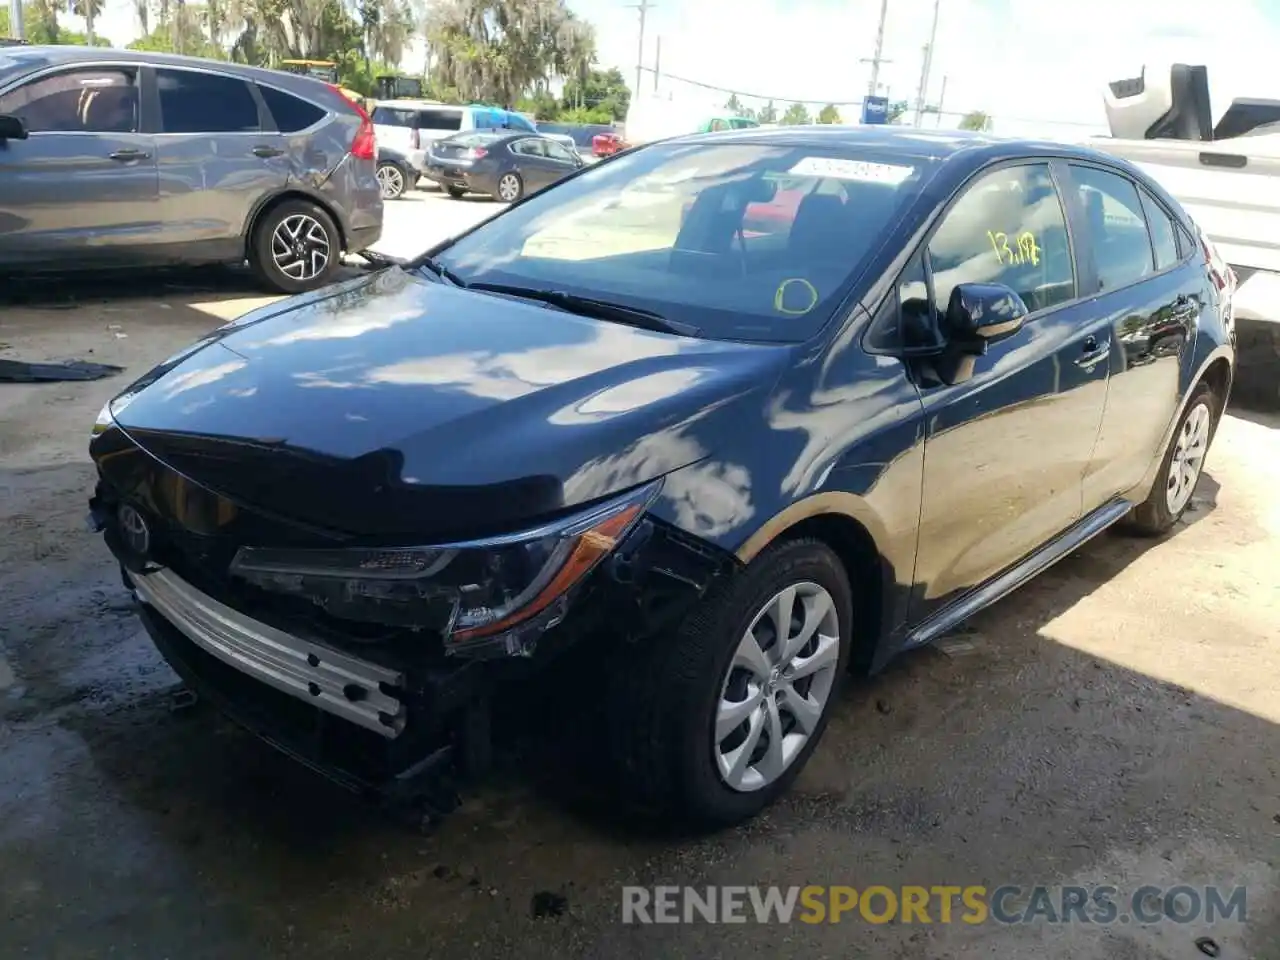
<point x="397" y="405"/>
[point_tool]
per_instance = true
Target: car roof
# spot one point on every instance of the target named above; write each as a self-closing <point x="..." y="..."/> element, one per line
<point x="17" y="61"/>
<point x="905" y="141"/>
<point x="417" y="104"/>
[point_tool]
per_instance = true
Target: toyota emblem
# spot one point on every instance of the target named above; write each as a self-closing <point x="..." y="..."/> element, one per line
<point x="134" y="530"/>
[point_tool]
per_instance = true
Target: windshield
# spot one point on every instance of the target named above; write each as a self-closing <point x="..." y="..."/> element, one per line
<point x="742" y="241"/>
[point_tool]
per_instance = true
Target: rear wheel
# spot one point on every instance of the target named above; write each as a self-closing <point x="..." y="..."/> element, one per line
<point x="1181" y="468"/>
<point x="713" y="722"/>
<point x="296" y="247"/>
<point x="393" y="180"/>
<point x="510" y="187"/>
<point x="455" y="192"/>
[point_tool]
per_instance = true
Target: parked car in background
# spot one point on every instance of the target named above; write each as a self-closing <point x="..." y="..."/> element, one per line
<point x="606" y="144"/>
<point x="500" y="164"/>
<point x="727" y="467"/>
<point x="396" y="172"/>
<point x="116" y="158"/>
<point x="410" y="126"/>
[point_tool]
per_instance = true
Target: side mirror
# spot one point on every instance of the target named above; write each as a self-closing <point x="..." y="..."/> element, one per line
<point x="983" y="313"/>
<point x="12" y="128"/>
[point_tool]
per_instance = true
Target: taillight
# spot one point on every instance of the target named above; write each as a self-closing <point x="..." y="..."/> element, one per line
<point x="475" y="153"/>
<point x="1219" y="280"/>
<point x="364" y="146"/>
<point x="415" y="139"/>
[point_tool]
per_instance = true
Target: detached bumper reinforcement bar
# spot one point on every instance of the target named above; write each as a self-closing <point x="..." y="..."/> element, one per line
<point x="335" y="682"/>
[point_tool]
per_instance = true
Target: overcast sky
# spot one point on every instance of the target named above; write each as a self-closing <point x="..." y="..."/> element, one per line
<point x="1032" y="61"/>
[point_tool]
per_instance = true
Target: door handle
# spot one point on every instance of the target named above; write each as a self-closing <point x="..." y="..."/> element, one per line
<point x="1093" y="351"/>
<point x="267" y="152"/>
<point x="124" y="156"/>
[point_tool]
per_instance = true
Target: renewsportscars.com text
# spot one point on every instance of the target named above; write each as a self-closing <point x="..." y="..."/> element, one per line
<point x="1006" y="904"/>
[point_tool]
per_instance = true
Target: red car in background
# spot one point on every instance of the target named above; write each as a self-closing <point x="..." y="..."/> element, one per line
<point x="606" y="144"/>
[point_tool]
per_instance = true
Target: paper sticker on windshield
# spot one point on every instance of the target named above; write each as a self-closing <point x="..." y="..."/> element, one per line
<point x="890" y="173"/>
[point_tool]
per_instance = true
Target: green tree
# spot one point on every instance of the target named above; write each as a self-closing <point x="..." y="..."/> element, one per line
<point x="40" y="25"/>
<point x="89" y="9"/>
<point x="768" y="113"/>
<point x="797" y="115"/>
<point x="975" y="120"/>
<point x="733" y="106"/>
<point x="501" y="50"/>
<point x="829" y="114"/>
<point x="603" y="93"/>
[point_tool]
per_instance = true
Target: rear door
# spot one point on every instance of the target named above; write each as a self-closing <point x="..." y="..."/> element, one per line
<point x="218" y="156"/>
<point x="83" y="186"/>
<point x="1150" y="287"/>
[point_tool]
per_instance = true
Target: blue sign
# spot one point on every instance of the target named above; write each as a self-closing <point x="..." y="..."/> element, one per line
<point x="875" y="109"/>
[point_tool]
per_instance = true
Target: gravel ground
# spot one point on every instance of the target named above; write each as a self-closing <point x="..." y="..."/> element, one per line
<point x="1113" y="722"/>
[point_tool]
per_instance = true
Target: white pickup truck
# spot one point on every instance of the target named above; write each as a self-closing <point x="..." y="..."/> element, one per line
<point x="1228" y="178"/>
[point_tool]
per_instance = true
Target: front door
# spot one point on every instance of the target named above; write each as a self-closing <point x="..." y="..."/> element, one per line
<point x="82" y="188"/>
<point x="536" y="169"/>
<point x="1006" y="449"/>
<point x="217" y="160"/>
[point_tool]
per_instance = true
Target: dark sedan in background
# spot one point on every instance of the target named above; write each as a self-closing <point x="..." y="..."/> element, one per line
<point x="730" y="445"/>
<point x="498" y="163"/>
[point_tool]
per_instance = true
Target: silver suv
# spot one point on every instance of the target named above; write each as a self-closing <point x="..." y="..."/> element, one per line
<point x="115" y="158"/>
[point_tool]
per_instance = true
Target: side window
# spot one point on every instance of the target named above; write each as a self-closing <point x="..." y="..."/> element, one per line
<point x="906" y="318"/>
<point x="193" y="102"/>
<point x="1164" y="237"/>
<point x="290" y="113"/>
<point x="530" y="148"/>
<point x="387" y="117"/>
<point x="719" y="124"/>
<point x="77" y="101"/>
<point x="1117" y="227"/>
<point x="1009" y="228"/>
<point x="557" y="151"/>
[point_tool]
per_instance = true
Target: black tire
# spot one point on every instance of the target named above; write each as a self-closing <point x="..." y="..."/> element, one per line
<point x="455" y="192"/>
<point x="263" y="262"/>
<point x="1153" y="517"/>
<point x="667" y="691"/>
<point x="397" y="180"/>
<point x="518" y="181"/>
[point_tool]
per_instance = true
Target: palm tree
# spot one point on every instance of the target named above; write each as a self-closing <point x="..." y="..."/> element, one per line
<point x="89" y="9"/>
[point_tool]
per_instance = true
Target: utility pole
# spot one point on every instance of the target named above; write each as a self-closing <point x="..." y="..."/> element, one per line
<point x="937" y="119"/>
<point x="878" y="59"/>
<point x="928" y="62"/>
<point x="15" y="19"/>
<point x="644" y="6"/>
<point x="657" y="64"/>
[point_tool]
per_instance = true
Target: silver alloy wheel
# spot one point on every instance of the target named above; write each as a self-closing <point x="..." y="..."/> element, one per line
<point x="777" y="686"/>
<point x="1188" y="458"/>
<point x="300" y="247"/>
<point x="390" y="181"/>
<point x="509" y="187"/>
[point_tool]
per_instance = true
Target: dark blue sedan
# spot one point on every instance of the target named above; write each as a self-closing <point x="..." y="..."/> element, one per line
<point x="730" y="413"/>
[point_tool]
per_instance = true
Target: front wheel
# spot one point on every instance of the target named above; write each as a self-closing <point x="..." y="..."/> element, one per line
<point x="455" y="192"/>
<point x="1181" y="468"/>
<point x="713" y="723"/>
<point x="510" y="187"/>
<point x="393" y="181"/>
<point x="296" y="247"/>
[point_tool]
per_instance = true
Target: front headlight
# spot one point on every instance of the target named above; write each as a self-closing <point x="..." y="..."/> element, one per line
<point x="472" y="592"/>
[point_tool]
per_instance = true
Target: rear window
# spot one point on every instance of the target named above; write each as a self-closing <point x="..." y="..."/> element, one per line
<point x="290" y="113"/>
<point x="439" y="120"/>
<point x="743" y="241"/>
<point x="391" y="117"/>
<point x="475" y="138"/>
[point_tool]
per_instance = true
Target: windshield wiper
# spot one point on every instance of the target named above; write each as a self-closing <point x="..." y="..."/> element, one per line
<point x="591" y="307"/>
<point x="439" y="270"/>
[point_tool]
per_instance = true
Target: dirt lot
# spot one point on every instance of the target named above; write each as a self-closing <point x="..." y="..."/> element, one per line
<point x="1115" y="722"/>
